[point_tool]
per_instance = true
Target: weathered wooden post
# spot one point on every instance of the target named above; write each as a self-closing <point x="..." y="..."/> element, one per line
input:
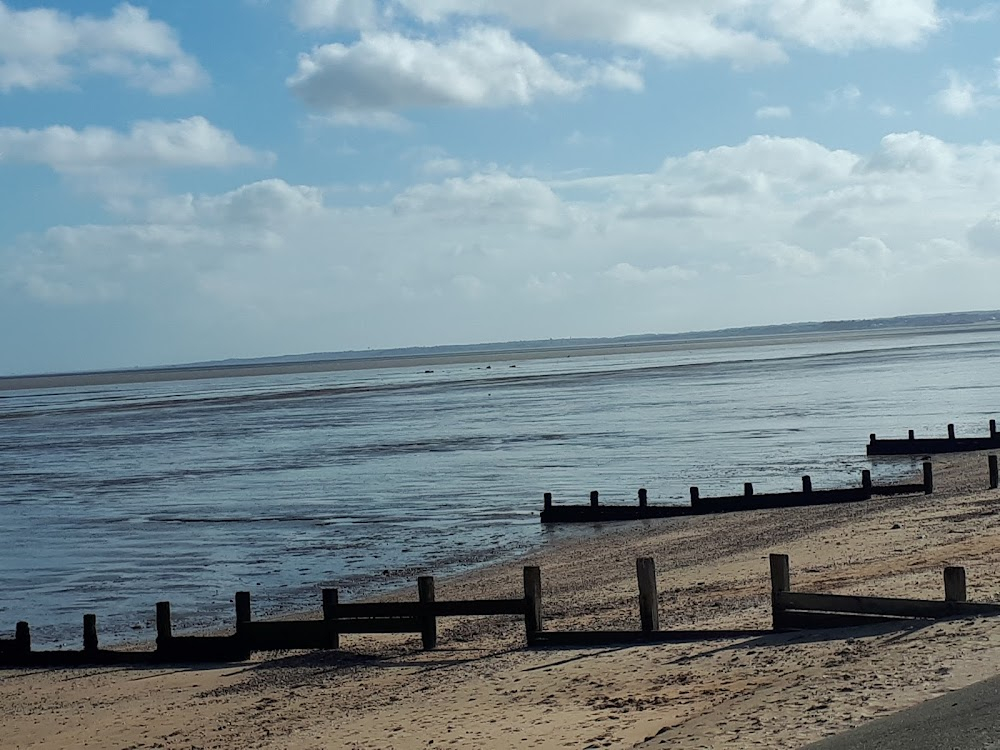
<point x="951" y="432"/>
<point x="695" y="496"/>
<point x="90" y="633"/>
<point x="649" y="614"/>
<point x="912" y="435"/>
<point x="928" y="478"/>
<point x="871" y="438"/>
<point x="993" y="429"/>
<point x="533" y="602"/>
<point x="547" y="501"/>
<point x="781" y="582"/>
<point x="748" y="488"/>
<point x="243" y="611"/>
<point x="642" y="497"/>
<point x="807" y="484"/>
<point x="22" y="638"/>
<point x="992" y="459"/>
<point x="866" y="480"/>
<point x="331" y="602"/>
<point x="164" y="627"/>
<point x="593" y="499"/>
<point x="428" y="626"/>
<point x="954" y="584"/>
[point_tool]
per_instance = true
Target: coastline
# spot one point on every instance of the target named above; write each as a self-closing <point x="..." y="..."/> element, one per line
<point x="482" y="688"/>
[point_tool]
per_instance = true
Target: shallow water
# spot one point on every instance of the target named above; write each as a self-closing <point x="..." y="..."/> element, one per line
<point x="115" y="497"/>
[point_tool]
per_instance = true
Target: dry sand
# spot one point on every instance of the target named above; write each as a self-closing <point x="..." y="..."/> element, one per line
<point x="483" y="689"/>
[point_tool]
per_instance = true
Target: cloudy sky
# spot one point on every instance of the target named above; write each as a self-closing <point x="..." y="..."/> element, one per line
<point x="184" y="180"/>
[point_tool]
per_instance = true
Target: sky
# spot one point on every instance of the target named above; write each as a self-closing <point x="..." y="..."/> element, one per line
<point x="183" y="180"/>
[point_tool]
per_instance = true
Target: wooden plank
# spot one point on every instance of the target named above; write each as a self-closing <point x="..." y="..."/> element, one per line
<point x="199" y="649"/>
<point x="649" y="614"/>
<point x="874" y="605"/>
<point x="825" y="620"/>
<point x="456" y="608"/>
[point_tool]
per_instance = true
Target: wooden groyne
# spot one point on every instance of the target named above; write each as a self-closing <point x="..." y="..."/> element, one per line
<point x="793" y="610"/>
<point x="748" y="500"/>
<point x="790" y="610"/>
<point x="913" y="445"/>
<point x="420" y="617"/>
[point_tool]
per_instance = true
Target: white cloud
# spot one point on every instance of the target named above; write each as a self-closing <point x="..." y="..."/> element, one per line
<point x="747" y="32"/>
<point x="333" y="14"/>
<point x="481" y="67"/>
<point x="962" y="97"/>
<point x="193" y="142"/>
<point x="268" y="202"/>
<point x="487" y="198"/>
<point x="773" y="113"/>
<point x="799" y="229"/>
<point x="43" y="48"/>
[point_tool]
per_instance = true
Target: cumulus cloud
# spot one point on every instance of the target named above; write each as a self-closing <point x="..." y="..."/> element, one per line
<point x="962" y="97"/>
<point x="789" y="224"/>
<point x="747" y="32"/>
<point x="43" y="48"/>
<point x="192" y="142"/>
<point x="481" y="67"/>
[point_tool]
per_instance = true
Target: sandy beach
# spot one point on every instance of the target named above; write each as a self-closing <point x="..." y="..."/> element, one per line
<point x="483" y="688"/>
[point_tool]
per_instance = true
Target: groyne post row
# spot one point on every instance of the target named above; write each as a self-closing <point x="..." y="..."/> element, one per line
<point x="419" y="617"/>
<point x="748" y="500"/>
<point x="913" y="445"/>
<point x="793" y="610"/>
<point x="790" y="610"/>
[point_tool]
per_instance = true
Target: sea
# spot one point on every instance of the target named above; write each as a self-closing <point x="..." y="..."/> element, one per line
<point x="114" y="497"/>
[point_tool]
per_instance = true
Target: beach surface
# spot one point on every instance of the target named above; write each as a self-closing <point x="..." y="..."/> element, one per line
<point x="483" y="688"/>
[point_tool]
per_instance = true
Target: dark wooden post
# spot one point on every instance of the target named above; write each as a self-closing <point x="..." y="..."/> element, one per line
<point x="871" y="438"/>
<point x="547" y="501"/>
<point x="533" y="601"/>
<point x="649" y="614"/>
<point x="22" y="638"/>
<point x="807" y="484"/>
<point x="911" y="435"/>
<point x="993" y="429"/>
<point x="331" y="601"/>
<point x="781" y="581"/>
<point x="928" y="478"/>
<point x="748" y="488"/>
<point x="593" y="499"/>
<point x="951" y="432"/>
<point x="90" y="633"/>
<point x="243" y="612"/>
<point x="954" y="584"/>
<point x="163" y="625"/>
<point x="642" y="497"/>
<point x="428" y="628"/>
<point x="866" y="480"/>
<point x="695" y="496"/>
<point x="992" y="459"/>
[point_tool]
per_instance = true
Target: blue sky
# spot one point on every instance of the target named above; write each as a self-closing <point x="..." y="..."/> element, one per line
<point x="185" y="180"/>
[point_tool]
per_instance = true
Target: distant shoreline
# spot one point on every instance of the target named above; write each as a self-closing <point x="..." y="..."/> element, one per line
<point x="251" y="368"/>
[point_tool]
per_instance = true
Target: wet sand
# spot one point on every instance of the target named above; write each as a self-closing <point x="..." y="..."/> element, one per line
<point x="483" y="688"/>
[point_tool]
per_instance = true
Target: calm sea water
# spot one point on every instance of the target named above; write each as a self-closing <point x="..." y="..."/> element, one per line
<point x="115" y="497"/>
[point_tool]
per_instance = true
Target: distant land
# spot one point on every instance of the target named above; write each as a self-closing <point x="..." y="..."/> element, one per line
<point x="460" y="353"/>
